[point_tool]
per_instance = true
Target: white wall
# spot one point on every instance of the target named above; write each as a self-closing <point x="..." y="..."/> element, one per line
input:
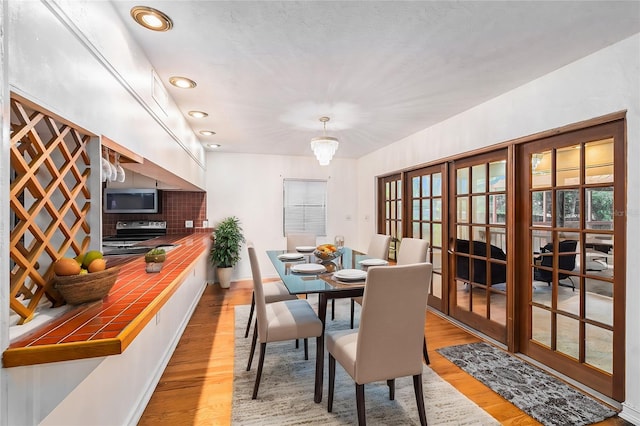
<point x="76" y="59"/>
<point x="602" y="83"/>
<point x="250" y="187"/>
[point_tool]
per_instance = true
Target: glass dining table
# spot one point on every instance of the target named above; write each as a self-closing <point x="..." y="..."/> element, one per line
<point x="322" y="283"/>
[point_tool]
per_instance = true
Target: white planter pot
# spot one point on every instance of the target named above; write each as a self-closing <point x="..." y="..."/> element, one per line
<point x="224" y="276"/>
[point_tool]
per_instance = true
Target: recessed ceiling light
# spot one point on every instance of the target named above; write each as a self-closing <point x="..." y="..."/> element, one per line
<point x="198" y="114"/>
<point x="207" y="132"/>
<point x="214" y="145"/>
<point x="182" y="82"/>
<point x="151" y="18"/>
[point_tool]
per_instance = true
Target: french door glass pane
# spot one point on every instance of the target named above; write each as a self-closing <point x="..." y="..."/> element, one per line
<point x="437" y="235"/>
<point x="426" y="186"/>
<point x="498" y="208"/>
<point x="462" y="181"/>
<point x="599" y="347"/>
<point x="541" y="326"/>
<point x="426" y="210"/>
<point x="568" y="166"/>
<point x="479" y="176"/>
<point x="437" y="184"/>
<point x="415" y="211"/>
<point x="415" y="228"/>
<point x="599" y="205"/>
<point x="568" y="336"/>
<point x="463" y="209"/>
<point x="568" y="208"/>
<point x="437" y="209"/>
<point x="497" y="176"/>
<point x="479" y="209"/>
<point x="598" y="158"/>
<point x="436" y="285"/>
<point x="599" y="301"/>
<point x="415" y="187"/>
<point x="541" y="208"/>
<point x="499" y="308"/>
<point x="426" y="234"/>
<point x="541" y="169"/>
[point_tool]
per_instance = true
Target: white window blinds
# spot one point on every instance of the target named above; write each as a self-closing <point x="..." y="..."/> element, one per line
<point x="305" y="206"/>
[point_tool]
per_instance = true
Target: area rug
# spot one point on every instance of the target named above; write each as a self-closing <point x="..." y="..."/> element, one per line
<point x="286" y="389"/>
<point x="543" y="397"/>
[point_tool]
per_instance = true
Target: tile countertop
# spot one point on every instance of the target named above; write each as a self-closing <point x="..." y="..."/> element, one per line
<point x="108" y="327"/>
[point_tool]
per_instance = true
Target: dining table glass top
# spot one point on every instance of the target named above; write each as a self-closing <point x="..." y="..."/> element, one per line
<point x="320" y="282"/>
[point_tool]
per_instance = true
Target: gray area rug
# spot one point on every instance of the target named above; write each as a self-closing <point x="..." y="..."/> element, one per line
<point x="543" y="397"/>
<point x="286" y="389"/>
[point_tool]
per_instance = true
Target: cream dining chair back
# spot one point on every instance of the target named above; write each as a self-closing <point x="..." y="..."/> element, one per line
<point x="389" y="340"/>
<point x="378" y="249"/>
<point x="278" y="321"/>
<point x="412" y="250"/>
<point x="297" y="239"/>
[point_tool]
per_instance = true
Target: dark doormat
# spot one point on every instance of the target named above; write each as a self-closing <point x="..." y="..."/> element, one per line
<point x="543" y="397"/>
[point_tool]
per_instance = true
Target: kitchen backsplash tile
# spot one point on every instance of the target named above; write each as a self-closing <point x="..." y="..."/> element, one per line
<point x="176" y="208"/>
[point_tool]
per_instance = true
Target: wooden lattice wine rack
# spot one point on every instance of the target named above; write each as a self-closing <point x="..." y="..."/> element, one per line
<point x="49" y="201"/>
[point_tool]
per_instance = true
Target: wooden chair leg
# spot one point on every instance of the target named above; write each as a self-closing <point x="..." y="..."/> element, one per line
<point x="253" y="345"/>
<point x="333" y="309"/>
<point x="253" y="305"/>
<point x="424" y="352"/>
<point x="332" y="380"/>
<point x="353" y="310"/>
<point x="391" y="383"/>
<point x="306" y="349"/>
<point x="362" y="419"/>
<point x="297" y="343"/>
<point x="392" y="389"/>
<point x="417" y="386"/>
<point x="263" y="348"/>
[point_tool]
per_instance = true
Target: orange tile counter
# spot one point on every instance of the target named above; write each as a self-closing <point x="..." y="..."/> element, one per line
<point x="106" y="328"/>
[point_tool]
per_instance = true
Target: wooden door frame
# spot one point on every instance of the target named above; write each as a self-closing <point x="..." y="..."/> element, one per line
<point x="613" y="388"/>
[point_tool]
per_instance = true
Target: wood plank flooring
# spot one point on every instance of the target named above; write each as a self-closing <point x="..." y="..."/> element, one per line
<point x="197" y="385"/>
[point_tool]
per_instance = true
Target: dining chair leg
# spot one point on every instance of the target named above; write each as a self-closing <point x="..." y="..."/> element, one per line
<point x="424" y="352"/>
<point x="362" y="419"/>
<point x="253" y="305"/>
<point x="297" y="343"/>
<point x="253" y="345"/>
<point x="392" y="389"/>
<point x="353" y="310"/>
<point x="332" y="380"/>
<point x="263" y="348"/>
<point x="333" y="309"/>
<point x="417" y="386"/>
<point x="306" y="349"/>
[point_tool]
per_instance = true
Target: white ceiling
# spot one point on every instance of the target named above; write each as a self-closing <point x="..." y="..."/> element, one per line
<point x="267" y="70"/>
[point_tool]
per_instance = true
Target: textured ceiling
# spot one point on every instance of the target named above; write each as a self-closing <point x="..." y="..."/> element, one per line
<point x="267" y="70"/>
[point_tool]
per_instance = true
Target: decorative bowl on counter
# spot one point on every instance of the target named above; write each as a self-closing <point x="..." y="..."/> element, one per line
<point x="327" y="252"/>
<point x="78" y="289"/>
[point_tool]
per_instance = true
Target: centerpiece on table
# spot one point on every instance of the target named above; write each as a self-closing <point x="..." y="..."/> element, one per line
<point x="327" y="252"/>
<point x="154" y="259"/>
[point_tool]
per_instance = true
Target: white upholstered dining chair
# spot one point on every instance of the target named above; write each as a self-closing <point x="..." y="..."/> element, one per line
<point x="378" y="249"/>
<point x="273" y="292"/>
<point x="278" y="321"/>
<point x="387" y="344"/>
<point x="297" y="239"/>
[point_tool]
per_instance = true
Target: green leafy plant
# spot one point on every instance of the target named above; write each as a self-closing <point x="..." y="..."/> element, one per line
<point x="226" y="245"/>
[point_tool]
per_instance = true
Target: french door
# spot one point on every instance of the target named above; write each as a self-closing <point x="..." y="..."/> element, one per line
<point x="478" y="243"/>
<point x="571" y="226"/>
<point x="390" y="210"/>
<point x="426" y="198"/>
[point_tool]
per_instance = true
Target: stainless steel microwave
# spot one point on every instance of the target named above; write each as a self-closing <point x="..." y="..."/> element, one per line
<point x="131" y="200"/>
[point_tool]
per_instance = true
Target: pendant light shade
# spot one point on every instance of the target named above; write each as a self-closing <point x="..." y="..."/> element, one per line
<point x="324" y="146"/>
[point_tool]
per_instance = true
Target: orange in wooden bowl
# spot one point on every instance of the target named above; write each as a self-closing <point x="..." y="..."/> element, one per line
<point x="97" y="265"/>
<point x="66" y="266"/>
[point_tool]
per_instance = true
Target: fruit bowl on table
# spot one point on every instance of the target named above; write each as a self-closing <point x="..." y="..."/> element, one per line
<point x="327" y="252"/>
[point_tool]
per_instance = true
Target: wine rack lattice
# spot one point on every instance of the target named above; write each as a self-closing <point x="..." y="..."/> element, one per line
<point x="49" y="201"/>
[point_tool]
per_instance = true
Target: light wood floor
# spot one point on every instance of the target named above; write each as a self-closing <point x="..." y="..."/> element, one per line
<point x="197" y="385"/>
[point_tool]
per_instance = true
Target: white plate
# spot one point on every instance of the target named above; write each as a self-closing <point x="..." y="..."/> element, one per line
<point x="305" y="249"/>
<point x="373" y="262"/>
<point x="290" y="256"/>
<point x="350" y="275"/>
<point x="308" y="268"/>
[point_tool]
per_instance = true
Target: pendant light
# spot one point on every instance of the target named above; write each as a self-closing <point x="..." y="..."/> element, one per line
<point x="324" y="146"/>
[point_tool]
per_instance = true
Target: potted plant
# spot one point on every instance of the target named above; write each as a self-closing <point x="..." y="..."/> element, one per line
<point x="225" y="252"/>
<point x="154" y="259"/>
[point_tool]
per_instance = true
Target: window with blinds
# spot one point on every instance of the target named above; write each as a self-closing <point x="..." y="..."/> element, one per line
<point x="305" y="206"/>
